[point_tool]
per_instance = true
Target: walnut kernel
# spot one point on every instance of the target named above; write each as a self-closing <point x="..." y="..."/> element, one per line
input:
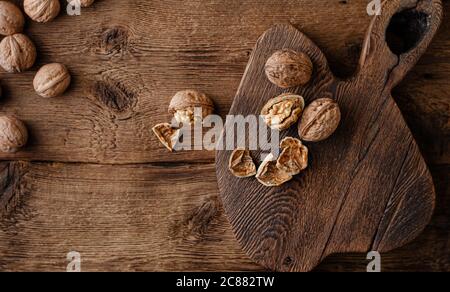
<point x="184" y="102"/>
<point x="283" y="111"/>
<point x="241" y="163"/>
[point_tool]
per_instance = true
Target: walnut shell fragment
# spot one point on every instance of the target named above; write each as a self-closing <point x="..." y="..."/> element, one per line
<point x="241" y="163"/>
<point x="320" y="120"/>
<point x="86" y="3"/>
<point x="270" y="175"/>
<point x="288" y="68"/>
<point x="167" y="135"/>
<point x="294" y="156"/>
<point x="183" y="104"/>
<point x="283" y="111"/>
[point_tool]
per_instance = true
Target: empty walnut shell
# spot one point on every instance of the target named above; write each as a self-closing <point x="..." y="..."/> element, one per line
<point x="184" y="102"/>
<point x="11" y="19"/>
<point x="294" y="156"/>
<point x="86" y="3"/>
<point x="241" y="163"/>
<point x="13" y="134"/>
<point x="52" y="80"/>
<point x="320" y="120"/>
<point x="167" y="135"/>
<point x="17" y="53"/>
<point x="270" y="175"/>
<point x="42" y="10"/>
<point x="288" y="68"/>
<point x="283" y="111"/>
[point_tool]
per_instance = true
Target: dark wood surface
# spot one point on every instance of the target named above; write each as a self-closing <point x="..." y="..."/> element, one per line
<point x="95" y="180"/>
<point x="359" y="192"/>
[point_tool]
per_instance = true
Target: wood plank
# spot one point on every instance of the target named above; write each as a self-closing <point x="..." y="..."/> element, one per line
<point x="127" y="218"/>
<point x="129" y="57"/>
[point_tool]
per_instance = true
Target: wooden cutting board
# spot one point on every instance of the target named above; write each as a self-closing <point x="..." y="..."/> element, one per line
<point x="367" y="187"/>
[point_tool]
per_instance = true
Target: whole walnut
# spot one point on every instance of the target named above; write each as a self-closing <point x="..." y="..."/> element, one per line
<point x="320" y="120"/>
<point x="13" y="134"/>
<point x="42" y="10"/>
<point x="17" y="53"/>
<point x="288" y="68"/>
<point x="183" y="105"/>
<point x="52" y="80"/>
<point x="86" y="3"/>
<point x="11" y="19"/>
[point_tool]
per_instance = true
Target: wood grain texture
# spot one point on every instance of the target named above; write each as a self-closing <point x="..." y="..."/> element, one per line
<point x="153" y="50"/>
<point x="129" y="57"/>
<point x="366" y="188"/>
<point x="125" y="218"/>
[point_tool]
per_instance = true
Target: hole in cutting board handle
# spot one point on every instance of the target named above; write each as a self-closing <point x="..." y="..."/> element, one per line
<point x="406" y="29"/>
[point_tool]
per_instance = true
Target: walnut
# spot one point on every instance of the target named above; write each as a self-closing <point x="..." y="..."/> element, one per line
<point x="42" y="10"/>
<point x="86" y="3"/>
<point x="13" y="134"/>
<point x="270" y="175"/>
<point x="283" y="111"/>
<point x="320" y="120"/>
<point x="52" y="80"/>
<point x="17" y="53"/>
<point x="241" y="163"/>
<point x="183" y="103"/>
<point x="11" y="19"/>
<point x="294" y="156"/>
<point x="288" y="68"/>
<point x="167" y="135"/>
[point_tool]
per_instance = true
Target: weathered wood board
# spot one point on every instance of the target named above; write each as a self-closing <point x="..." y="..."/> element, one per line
<point x="151" y="50"/>
<point x="367" y="187"/>
<point x="125" y="218"/>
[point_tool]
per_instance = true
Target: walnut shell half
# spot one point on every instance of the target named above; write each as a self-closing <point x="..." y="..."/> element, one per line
<point x="288" y="68"/>
<point x="86" y="3"/>
<point x="52" y="80"/>
<point x="320" y="120"/>
<point x="294" y="156"/>
<point x="184" y="102"/>
<point x="270" y="175"/>
<point x="17" y="53"/>
<point x="167" y="135"/>
<point x="241" y="163"/>
<point x="13" y="134"/>
<point x="42" y="10"/>
<point x="283" y="111"/>
<point x="11" y="19"/>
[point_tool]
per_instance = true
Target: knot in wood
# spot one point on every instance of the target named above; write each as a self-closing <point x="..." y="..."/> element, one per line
<point x="114" y="95"/>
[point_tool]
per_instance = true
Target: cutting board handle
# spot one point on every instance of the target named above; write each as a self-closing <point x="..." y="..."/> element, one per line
<point x="389" y="52"/>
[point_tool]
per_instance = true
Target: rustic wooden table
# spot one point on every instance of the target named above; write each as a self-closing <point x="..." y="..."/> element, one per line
<point x="93" y="179"/>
